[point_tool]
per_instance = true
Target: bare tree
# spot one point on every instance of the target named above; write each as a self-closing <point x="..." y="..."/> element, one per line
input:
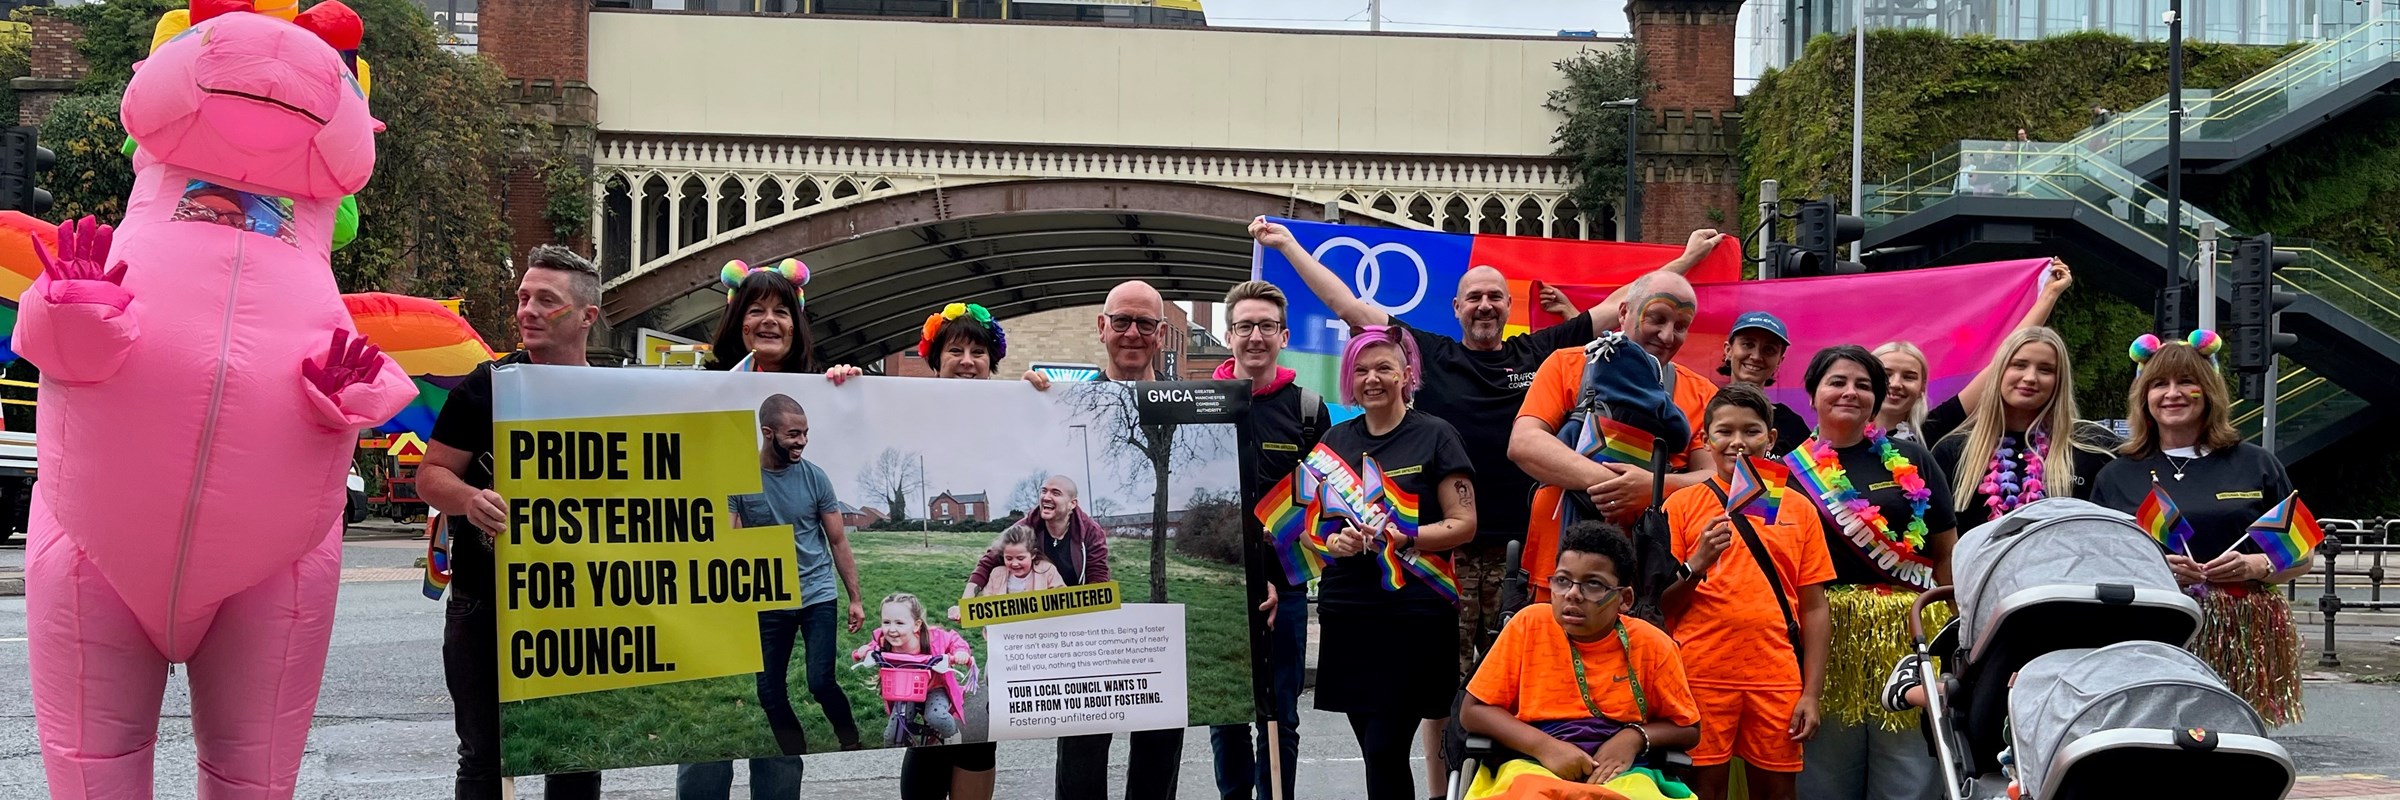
<point x="1028" y="493"/>
<point x="887" y="478"/>
<point x="1116" y="425"/>
<point x="1104" y="506"/>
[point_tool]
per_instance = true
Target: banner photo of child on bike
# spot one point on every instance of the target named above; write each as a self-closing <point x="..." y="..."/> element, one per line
<point x="703" y="566"/>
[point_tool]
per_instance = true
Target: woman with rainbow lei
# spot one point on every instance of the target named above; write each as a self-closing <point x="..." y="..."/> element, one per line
<point x="2185" y="447"/>
<point x="1889" y="527"/>
<point x="2023" y="441"/>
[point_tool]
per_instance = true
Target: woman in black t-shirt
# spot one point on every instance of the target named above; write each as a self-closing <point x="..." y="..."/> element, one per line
<point x="1888" y="525"/>
<point x="2184" y="444"/>
<point x="1390" y="656"/>
<point x="2024" y="441"/>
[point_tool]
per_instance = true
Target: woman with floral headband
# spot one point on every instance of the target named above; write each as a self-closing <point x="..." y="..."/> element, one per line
<point x="1888" y="520"/>
<point x="960" y="341"/>
<point x="2184" y="446"/>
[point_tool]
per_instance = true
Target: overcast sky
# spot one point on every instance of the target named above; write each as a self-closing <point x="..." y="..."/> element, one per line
<point x="1501" y="17"/>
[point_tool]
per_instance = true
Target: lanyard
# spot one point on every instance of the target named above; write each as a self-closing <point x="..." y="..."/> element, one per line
<point x="1641" y="704"/>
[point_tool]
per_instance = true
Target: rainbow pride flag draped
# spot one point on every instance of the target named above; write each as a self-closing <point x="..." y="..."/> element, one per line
<point x="1958" y="315"/>
<point x="434" y="345"/>
<point x="1322" y="496"/>
<point x="2288" y="534"/>
<point x="1415" y="273"/>
<point x="2159" y="517"/>
<point x="19" y="265"/>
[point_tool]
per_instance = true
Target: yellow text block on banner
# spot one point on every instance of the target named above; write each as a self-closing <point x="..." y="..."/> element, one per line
<point x="622" y="566"/>
<point x="1044" y="604"/>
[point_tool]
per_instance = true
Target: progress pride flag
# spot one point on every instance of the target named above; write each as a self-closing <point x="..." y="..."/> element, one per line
<point x="1957" y="315"/>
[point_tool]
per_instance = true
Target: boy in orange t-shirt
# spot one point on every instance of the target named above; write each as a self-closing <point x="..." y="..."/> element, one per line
<point x="1573" y="685"/>
<point x="1759" y="702"/>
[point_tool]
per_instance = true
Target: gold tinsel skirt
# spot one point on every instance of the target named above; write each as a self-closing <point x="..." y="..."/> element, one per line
<point x="1870" y="633"/>
<point x="2247" y="636"/>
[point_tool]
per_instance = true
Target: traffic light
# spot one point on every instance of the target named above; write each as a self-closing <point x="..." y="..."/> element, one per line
<point x="1814" y="248"/>
<point x="22" y="161"/>
<point x="2178" y="308"/>
<point x="2253" y="337"/>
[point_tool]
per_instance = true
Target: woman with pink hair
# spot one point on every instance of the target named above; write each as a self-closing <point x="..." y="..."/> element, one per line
<point x="1396" y="649"/>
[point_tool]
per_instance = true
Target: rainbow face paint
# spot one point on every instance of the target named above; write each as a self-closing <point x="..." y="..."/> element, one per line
<point x="555" y="317"/>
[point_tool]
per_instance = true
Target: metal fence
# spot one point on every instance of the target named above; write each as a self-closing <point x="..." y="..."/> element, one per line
<point x="2352" y="557"/>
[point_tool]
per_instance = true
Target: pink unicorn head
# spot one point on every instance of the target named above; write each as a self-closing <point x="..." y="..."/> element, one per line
<point x="256" y="102"/>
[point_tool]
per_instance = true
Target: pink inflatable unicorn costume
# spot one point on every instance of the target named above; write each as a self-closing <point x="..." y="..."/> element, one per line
<point x="195" y="424"/>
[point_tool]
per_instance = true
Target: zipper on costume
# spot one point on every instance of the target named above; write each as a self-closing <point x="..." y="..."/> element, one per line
<point x="208" y="436"/>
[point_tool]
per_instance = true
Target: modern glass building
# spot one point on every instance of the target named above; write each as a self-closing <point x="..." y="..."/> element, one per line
<point x="2266" y="22"/>
<point x="1121" y="12"/>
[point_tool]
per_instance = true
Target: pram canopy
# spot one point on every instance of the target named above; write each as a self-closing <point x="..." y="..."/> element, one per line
<point x="2068" y="696"/>
<point x="2064" y="542"/>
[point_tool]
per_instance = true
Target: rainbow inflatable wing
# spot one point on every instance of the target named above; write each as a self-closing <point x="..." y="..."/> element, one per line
<point x="436" y="347"/>
<point x="19" y="265"/>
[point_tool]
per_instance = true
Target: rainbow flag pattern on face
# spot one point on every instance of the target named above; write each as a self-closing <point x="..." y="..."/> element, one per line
<point x="2159" y="517"/>
<point x="1609" y="441"/>
<point x="2288" y="534"/>
<point x="1756" y="488"/>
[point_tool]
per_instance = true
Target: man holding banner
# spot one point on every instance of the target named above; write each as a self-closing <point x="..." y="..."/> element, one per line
<point x="1475" y="383"/>
<point x="558" y="301"/>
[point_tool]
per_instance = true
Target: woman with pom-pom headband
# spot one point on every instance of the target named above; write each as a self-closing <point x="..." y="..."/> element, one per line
<point x="2184" y="446"/>
<point x="765" y="328"/>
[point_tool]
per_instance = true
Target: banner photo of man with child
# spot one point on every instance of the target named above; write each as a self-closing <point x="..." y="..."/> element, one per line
<point x="703" y="567"/>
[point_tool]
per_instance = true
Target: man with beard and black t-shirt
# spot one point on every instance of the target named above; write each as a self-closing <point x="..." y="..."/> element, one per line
<point x="558" y="301"/>
<point x="1285" y="421"/>
<point x="1475" y="384"/>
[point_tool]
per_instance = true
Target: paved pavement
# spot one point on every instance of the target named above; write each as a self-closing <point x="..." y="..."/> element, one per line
<point x="383" y="726"/>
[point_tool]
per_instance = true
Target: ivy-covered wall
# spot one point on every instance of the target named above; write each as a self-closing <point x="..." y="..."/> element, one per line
<point x="1926" y="90"/>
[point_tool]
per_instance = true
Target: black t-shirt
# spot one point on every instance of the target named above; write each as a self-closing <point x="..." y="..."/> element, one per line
<point x="1416" y="455"/>
<point x="1276" y="428"/>
<point x="2220" y="494"/>
<point x="465" y="424"/>
<point x="1063" y="553"/>
<point x="1790" y="429"/>
<point x="1865" y="470"/>
<point x="1943" y="419"/>
<point x="2088" y="461"/>
<point x="1479" y="392"/>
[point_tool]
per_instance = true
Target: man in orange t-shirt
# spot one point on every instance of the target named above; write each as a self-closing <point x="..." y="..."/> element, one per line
<point x="1575" y="686"/>
<point x="1656" y="315"/>
<point x="1760" y="703"/>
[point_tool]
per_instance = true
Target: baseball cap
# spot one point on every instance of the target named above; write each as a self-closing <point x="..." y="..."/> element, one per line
<point x="1760" y="320"/>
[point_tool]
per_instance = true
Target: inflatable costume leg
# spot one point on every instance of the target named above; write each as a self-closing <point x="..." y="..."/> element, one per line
<point x="255" y="678"/>
<point x="97" y="678"/>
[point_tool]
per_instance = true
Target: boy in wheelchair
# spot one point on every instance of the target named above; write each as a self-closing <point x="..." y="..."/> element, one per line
<point x="1572" y="687"/>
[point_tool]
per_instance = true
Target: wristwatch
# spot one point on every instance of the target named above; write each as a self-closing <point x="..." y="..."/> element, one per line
<point x="1683" y="572"/>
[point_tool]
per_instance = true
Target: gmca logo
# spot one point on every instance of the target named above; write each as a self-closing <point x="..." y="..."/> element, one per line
<point x="1367" y="279"/>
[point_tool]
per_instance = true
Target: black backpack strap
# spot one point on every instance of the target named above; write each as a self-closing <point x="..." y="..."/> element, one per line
<point x="1766" y="564"/>
<point x="1312" y="418"/>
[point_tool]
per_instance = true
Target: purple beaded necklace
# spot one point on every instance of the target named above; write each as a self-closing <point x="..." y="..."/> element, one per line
<point x="2003" y="489"/>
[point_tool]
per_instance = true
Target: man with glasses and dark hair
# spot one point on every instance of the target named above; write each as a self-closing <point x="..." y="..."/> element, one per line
<point x="1476" y="384"/>
<point x="558" y="301"/>
<point x="1285" y="422"/>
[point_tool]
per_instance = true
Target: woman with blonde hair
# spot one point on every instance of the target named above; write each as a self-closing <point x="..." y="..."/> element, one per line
<point x="1904" y="413"/>
<point x="2023" y="442"/>
<point x="2184" y="446"/>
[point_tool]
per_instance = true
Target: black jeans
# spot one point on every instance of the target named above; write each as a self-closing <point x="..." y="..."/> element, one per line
<point x="1242" y="772"/>
<point x="471" y="666"/>
<point x="815" y="626"/>
<point x="1383" y="741"/>
<point x="1155" y="763"/>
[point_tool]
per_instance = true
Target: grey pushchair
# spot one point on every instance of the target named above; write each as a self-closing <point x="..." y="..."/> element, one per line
<point x="2043" y="593"/>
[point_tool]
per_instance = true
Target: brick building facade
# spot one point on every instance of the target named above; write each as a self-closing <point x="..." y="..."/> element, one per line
<point x="1691" y="134"/>
<point x="948" y="507"/>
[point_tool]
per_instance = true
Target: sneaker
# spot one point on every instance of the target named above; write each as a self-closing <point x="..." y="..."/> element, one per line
<point x="1905" y="676"/>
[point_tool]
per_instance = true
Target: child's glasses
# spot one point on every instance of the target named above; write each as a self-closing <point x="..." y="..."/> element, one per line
<point x="1592" y="589"/>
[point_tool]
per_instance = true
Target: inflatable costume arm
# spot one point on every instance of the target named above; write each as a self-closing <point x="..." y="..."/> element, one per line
<point x="77" y="322"/>
<point x="355" y="385"/>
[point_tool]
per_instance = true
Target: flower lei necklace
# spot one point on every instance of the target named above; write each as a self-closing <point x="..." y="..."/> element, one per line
<point x="2003" y="490"/>
<point x="1829" y="469"/>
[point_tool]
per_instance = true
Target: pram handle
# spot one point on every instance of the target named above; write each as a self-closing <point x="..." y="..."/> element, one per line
<point x="1916" y="612"/>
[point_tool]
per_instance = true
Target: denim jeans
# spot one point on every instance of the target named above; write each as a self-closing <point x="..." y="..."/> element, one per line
<point x="470" y="665"/>
<point x="1241" y="775"/>
<point x="816" y="626"/>
<point x="770" y="779"/>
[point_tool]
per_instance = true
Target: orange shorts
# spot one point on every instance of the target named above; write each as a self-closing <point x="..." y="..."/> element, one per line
<point x="1754" y="724"/>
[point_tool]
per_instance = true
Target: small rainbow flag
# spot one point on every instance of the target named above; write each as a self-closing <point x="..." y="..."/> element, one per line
<point x="1756" y="488"/>
<point x="1371" y="482"/>
<point x="1437" y="573"/>
<point x="1403" y="506"/>
<point x="1609" y="441"/>
<point x="2159" y="517"/>
<point x="2288" y="534"/>
<point x="437" y="557"/>
<point x="1285" y="521"/>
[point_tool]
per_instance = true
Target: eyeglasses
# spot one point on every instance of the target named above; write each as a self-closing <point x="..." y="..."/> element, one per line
<point x="1591" y="589"/>
<point x="1147" y="325"/>
<point x="1243" y="330"/>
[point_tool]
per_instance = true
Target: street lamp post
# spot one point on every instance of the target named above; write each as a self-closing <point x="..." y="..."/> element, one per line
<point x="1086" y="433"/>
<point x="2175" y="153"/>
<point x="1632" y="230"/>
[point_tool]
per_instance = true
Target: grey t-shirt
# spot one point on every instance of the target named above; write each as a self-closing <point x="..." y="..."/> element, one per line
<point x="799" y="496"/>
